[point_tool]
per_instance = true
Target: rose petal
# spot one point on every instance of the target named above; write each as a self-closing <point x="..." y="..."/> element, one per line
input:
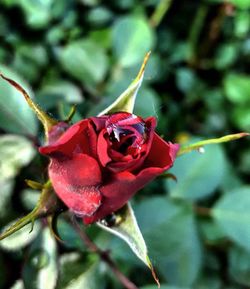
<point x="122" y="186"/>
<point x="162" y="154"/>
<point x="80" y="137"/>
<point x="102" y="149"/>
<point x="76" y="182"/>
<point x="99" y="122"/>
<point x="120" y="189"/>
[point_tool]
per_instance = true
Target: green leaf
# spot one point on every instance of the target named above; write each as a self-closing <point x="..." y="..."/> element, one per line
<point x="241" y="117"/>
<point x="15" y="152"/>
<point x="84" y="60"/>
<point x="147" y="95"/>
<point x="46" y="120"/>
<point x="239" y="265"/>
<point x="15" y="114"/>
<point x="126" y="101"/>
<point x="76" y="274"/>
<point x="132" y="38"/>
<point x="41" y="263"/>
<point x="38" y="13"/>
<point x="124" y="225"/>
<point x="21" y="238"/>
<point x="210" y="280"/>
<point x="52" y="94"/>
<point x="226" y="55"/>
<point x="186" y="79"/>
<point x="68" y="235"/>
<point x="237" y="88"/>
<point x="5" y="196"/>
<point x="197" y="176"/>
<point x="232" y="214"/>
<point x="245" y="161"/>
<point x="18" y="285"/>
<point x="243" y="4"/>
<point x="211" y="232"/>
<point x="30" y="198"/>
<point x="199" y="145"/>
<point x="231" y="178"/>
<point x="99" y="16"/>
<point x="171" y="234"/>
<point x="242" y="23"/>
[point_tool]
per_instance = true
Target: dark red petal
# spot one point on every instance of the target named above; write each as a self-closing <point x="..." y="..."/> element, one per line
<point x="79" y="138"/>
<point x="67" y="142"/>
<point x="57" y="131"/>
<point x="99" y="122"/>
<point x="102" y="149"/>
<point x="162" y="154"/>
<point x="122" y="186"/>
<point x="120" y="189"/>
<point x="76" y="182"/>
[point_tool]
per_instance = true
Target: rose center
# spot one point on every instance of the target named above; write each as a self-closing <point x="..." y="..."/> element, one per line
<point x="128" y="134"/>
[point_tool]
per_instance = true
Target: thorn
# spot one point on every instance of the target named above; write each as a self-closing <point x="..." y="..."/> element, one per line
<point x="32" y="225"/>
<point x="71" y="113"/>
<point x="52" y="222"/>
<point x="169" y="176"/>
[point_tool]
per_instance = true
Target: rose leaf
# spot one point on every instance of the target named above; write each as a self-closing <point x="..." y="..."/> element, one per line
<point x="232" y="215"/>
<point x="15" y="152"/>
<point x="76" y="272"/>
<point x="41" y="262"/>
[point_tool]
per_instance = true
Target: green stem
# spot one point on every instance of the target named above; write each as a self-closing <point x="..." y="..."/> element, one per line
<point x="160" y="11"/>
<point x="195" y="31"/>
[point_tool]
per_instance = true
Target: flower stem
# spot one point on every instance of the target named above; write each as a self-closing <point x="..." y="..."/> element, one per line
<point x="159" y="13"/>
<point x="104" y="256"/>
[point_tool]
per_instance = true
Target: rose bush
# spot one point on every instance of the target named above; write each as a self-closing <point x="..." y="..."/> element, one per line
<point x="99" y="163"/>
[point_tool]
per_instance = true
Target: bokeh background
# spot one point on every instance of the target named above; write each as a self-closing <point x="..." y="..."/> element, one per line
<point x="197" y="84"/>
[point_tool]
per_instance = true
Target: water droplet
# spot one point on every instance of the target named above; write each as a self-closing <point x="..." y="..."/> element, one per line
<point x="201" y="150"/>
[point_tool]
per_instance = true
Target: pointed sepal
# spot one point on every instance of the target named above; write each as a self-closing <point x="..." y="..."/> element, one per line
<point x="34" y="185"/>
<point x="198" y="146"/>
<point x="48" y="205"/>
<point x="47" y="121"/>
<point x="125" y="102"/>
<point x="124" y="225"/>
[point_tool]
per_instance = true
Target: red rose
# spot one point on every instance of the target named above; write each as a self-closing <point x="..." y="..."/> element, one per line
<point x="99" y="163"/>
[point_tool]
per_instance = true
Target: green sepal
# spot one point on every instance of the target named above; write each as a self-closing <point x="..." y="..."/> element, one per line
<point x="199" y="145"/>
<point x="34" y="185"/>
<point x="48" y="205"/>
<point x="47" y="121"/>
<point x="124" y="225"/>
<point x="125" y="102"/>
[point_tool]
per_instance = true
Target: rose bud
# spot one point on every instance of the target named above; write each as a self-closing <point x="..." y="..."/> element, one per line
<point x="99" y="163"/>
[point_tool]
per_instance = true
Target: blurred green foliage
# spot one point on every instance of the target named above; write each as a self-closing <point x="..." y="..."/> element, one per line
<point x="197" y="84"/>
